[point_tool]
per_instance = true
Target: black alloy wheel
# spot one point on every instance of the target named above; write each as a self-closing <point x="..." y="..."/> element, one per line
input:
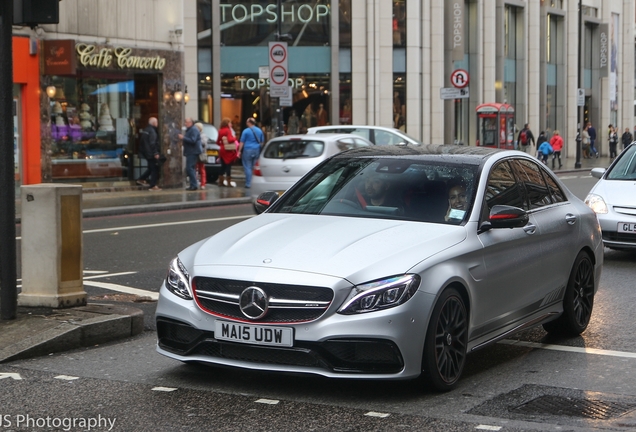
<point x="578" y="300"/>
<point x="446" y="341"/>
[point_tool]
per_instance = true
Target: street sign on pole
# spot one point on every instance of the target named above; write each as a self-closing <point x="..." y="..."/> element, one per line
<point x="459" y="78"/>
<point x="454" y="93"/>
<point x="278" y="74"/>
<point x="287" y="100"/>
<point x="580" y="97"/>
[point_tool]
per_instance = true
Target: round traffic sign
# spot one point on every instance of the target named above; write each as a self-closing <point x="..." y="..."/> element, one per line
<point x="278" y="75"/>
<point x="459" y="78"/>
<point x="278" y="53"/>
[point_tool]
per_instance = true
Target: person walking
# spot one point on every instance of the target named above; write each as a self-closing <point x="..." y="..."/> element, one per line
<point x="540" y="140"/>
<point x="525" y="139"/>
<point x="200" y="165"/>
<point x="627" y="138"/>
<point x="586" y="142"/>
<point x="149" y="149"/>
<point x="592" y="132"/>
<point x="545" y="150"/>
<point x="556" y="142"/>
<point x="191" y="150"/>
<point x="613" y="141"/>
<point x="252" y="139"/>
<point x="228" y="152"/>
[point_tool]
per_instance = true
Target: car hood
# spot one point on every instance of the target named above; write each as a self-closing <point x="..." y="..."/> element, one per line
<point x="618" y="193"/>
<point x="342" y="247"/>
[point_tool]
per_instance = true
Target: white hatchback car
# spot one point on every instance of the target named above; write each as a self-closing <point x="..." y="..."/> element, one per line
<point x="378" y="135"/>
<point x="612" y="199"/>
<point x="285" y="159"/>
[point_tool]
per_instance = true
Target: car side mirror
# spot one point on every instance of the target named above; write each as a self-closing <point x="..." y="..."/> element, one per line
<point x="502" y="216"/>
<point x="598" y="172"/>
<point x="264" y="201"/>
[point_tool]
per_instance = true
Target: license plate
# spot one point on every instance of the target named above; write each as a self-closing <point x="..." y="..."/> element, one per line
<point x="626" y="227"/>
<point x="212" y="153"/>
<point x="252" y="334"/>
<point x="211" y="159"/>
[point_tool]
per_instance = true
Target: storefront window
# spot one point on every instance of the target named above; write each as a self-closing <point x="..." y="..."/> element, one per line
<point x="399" y="23"/>
<point x="244" y="96"/>
<point x="399" y="101"/>
<point x="254" y="22"/>
<point x="345" y="99"/>
<point x="344" y="21"/>
<point x="92" y="123"/>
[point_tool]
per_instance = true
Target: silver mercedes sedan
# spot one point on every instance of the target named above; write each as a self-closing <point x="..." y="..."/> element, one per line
<point x="387" y="262"/>
<point x="613" y="198"/>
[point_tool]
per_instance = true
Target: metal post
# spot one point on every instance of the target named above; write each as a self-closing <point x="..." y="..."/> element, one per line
<point x="279" y="32"/>
<point x="8" y="272"/>
<point x="579" y="136"/>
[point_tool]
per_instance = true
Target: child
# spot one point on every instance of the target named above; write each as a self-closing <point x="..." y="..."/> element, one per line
<point x="545" y="150"/>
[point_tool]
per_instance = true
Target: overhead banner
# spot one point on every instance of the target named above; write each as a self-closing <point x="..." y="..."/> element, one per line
<point x="603" y="45"/>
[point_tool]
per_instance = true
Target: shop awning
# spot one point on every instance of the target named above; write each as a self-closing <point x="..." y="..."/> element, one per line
<point x="120" y="87"/>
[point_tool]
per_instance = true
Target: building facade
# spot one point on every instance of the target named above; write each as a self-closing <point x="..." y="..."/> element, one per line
<point x="422" y="66"/>
<point x="102" y="72"/>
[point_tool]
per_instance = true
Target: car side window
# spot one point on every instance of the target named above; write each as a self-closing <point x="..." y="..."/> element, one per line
<point x="555" y="191"/>
<point x="536" y="188"/>
<point x="503" y="188"/>
<point x="387" y="138"/>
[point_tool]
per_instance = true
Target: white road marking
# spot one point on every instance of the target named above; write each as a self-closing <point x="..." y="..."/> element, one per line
<point x="267" y="401"/>
<point x="377" y="414"/>
<point x="570" y="177"/>
<point x="66" y="377"/>
<point x="109" y="275"/>
<point x="488" y="427"/>
<point x="165" y="224"/>
<point x="95" y="271"/>
<point x="121" y="288"/>
<point x="15" y="376"/>
<point x="563" y="348"/>
<point x="164" y="389"/>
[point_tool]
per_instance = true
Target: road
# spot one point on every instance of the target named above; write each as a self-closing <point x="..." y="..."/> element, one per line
<point x="128" y="382"/>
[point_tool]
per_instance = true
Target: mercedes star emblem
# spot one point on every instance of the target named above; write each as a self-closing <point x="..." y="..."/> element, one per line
<point x="253" y="302"/>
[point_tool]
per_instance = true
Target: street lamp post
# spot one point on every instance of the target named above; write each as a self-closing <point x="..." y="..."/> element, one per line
<point x="579" y="136"/>
<point x="279" y="37"/>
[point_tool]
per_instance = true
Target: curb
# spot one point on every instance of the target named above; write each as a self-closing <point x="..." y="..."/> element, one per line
<point x="94" y="324"/>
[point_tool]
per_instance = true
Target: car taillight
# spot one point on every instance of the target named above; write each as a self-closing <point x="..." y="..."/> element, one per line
<point x="257" y="170"/>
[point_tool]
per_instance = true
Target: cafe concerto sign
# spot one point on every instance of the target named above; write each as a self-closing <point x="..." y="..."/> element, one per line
<point x="88" y="55"/>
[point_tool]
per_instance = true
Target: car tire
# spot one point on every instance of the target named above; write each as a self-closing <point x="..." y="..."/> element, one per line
<point x="446" y="341"/>
<point x="578" y="300"/>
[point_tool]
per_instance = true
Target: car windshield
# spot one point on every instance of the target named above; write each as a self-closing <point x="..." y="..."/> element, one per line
<point x="625" y="168"/>
<point x="291" y="149"/>
<point x="389" y="188"/>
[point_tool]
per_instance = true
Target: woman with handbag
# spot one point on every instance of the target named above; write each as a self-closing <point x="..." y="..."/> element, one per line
<point x="227" y="143"/>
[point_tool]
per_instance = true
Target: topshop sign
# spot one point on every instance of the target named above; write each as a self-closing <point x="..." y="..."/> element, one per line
<point x="251" y="13"/>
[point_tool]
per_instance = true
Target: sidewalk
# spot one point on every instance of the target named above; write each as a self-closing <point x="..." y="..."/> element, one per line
<point x="39" y="331"/>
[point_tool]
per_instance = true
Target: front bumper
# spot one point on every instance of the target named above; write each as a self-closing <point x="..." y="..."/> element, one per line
<point x="380" y="345"/>
<point x="611" y="237"/>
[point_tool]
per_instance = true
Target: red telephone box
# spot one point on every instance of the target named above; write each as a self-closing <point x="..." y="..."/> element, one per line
<point x="496" y="125"/>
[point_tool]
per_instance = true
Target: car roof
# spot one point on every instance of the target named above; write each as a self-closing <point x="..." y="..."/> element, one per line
<point x="320" y="137"/>
<point x="355" y="126"/>
<point x="465" y="154"/>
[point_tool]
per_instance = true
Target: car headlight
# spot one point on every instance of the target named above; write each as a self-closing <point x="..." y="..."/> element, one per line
<point x="380" y="294"/>
<point x="178" y="280"/>
<point x="596" y="203"/>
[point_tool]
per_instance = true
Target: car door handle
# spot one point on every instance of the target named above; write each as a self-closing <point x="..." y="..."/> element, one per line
<point x="530" y="229"/>
<point x="570" y="219"/>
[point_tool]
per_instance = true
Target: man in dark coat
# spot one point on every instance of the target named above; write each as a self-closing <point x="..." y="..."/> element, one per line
<point x="192" y="147"/>
<point x="150" y="151"/>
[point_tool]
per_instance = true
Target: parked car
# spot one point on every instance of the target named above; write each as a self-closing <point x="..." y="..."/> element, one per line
<point x="378" y="135"/>
<point x="613" y="199"/>
<point x="387" y="262"/>
<point x="286" y="159"/>
<point x="213" y="165"/>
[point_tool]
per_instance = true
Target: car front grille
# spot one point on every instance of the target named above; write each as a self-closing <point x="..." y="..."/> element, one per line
<point x="371" y="356"/>
<point x="619" y="237"/>
<point x="287" y="303"/>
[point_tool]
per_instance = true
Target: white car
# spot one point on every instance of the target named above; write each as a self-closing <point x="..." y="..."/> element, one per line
<point x="285" y="159"/>
<point x="378" y="135"/>
<point x="613" y="200"/>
